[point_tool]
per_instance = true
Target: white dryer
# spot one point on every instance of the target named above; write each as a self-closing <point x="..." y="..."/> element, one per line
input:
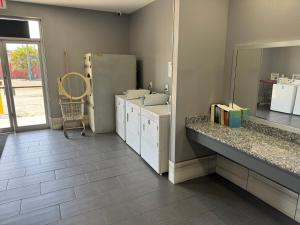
<point x="133" y="124"/>
<point x="283" y="97"/>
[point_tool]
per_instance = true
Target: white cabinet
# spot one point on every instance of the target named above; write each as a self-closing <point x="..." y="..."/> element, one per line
<point x="268" y="191"/>
<point x="120" y="103"/>
<point x="272" y="193"/>
<point x="133" y="124"/>
<point x="232" y="171"/>
<point x="155" y="126"/>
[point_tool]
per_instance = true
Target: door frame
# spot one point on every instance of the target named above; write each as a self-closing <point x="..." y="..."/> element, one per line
<point x="7" y="82"/>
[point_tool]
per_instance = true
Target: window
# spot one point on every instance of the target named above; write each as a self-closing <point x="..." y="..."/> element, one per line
<point x="18" y="28"/>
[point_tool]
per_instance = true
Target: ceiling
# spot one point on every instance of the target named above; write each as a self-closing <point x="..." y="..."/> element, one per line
<point x="125" y="6"/>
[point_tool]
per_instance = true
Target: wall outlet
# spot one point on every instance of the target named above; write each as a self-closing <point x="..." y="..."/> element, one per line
<point x="170" y="69"/>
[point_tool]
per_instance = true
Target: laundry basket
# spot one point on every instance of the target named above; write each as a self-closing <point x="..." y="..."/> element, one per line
<point x="72" y="112"/>
<point x="72" y="107"/>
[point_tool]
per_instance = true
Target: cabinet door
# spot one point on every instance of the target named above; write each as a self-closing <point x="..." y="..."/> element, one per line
<point x="120" y="118"/>
<point x="91" y="113"/>
<point x="150" y="142"/>
<point x="133" y="127"/>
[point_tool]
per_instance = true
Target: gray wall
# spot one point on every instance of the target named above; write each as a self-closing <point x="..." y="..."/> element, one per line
<point x="197" y="83"/>
<point x="151" y="40"/>
<point x="259" y="21"/>
<point x="284" y="61"/>
<point x="247" y="78"/>
<point x="80" y="31"/>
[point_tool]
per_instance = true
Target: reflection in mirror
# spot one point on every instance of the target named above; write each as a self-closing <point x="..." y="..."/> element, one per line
<point x="267" y="81"/>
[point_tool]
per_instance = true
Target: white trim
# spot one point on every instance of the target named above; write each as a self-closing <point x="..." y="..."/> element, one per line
<point x="191" y="169"/>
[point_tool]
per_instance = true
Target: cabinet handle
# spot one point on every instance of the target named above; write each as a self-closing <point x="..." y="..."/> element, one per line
<point x="131" y="109"/>
<point x="149" y="122"/>
<point x="143" y="126"/>
<point x="127" y="117"/>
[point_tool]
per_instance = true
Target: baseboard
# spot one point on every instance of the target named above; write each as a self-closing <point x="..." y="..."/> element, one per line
<point x="191" y="169"/>
<point x="56" y="122"/>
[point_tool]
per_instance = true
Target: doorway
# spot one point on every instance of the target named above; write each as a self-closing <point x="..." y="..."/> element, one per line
<point x="22" y="92"/>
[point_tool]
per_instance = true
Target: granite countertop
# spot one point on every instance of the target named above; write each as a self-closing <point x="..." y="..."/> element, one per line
<point x="272" y="145"/>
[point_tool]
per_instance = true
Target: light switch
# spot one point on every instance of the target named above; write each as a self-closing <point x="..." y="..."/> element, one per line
<point x="170" y="69"/>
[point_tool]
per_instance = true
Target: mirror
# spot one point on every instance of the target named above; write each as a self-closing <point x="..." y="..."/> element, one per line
<point x="267" y="81"/>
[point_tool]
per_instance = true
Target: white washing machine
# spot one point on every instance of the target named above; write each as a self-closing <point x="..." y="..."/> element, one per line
<point x="283" y="97"/>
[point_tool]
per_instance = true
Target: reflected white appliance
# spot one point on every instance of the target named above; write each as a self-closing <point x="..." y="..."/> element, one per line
<point x="110" y="75"/>
<point x="283" y="97"/>
<point x="296" y="110"/>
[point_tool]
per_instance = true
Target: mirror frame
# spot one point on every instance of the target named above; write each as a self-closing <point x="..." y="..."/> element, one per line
<point x="233" y="76"/>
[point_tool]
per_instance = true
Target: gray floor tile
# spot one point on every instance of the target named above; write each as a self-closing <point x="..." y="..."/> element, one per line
<point x="29" y="180"/>
<point x="98" y="187"/>
<point x="229" y="215"/>
<point x="92" y="199"/>
<point x="59" y="157"/>
<point x="82" y="169"/>
<point x="84" y="205"/>
<point x="19" y="193"/>
<point x="50" y="199"/>
<point x="115" y="213"/>
<point x="160" y="198"/>
<point x="140" y="176"/>
<point x="38" y="217"/>
<point x="26" y="156"/>
<point x="11" y="173"/>
<point x="63" y="183"/>
<point x="45" y="167"/>
<point x="19" y="164"/>
<point x="90" y="218"/>
<point x="3" y="185"/>
<point x="115" y="171"/>
<point x="120" y="190"/>
<point x="9" y="210"/>
<point x="90" y="160"/>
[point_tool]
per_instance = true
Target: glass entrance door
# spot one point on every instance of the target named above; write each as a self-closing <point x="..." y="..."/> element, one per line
<point x="5" y="119"/>
<point x="23" y="77"/>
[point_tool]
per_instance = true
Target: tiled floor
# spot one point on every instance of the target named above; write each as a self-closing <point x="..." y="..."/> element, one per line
<point x="47" y="179"/>
<point x="278" y="117"/>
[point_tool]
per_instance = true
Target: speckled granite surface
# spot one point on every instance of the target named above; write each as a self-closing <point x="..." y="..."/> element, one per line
<point x="272" y="145"/>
